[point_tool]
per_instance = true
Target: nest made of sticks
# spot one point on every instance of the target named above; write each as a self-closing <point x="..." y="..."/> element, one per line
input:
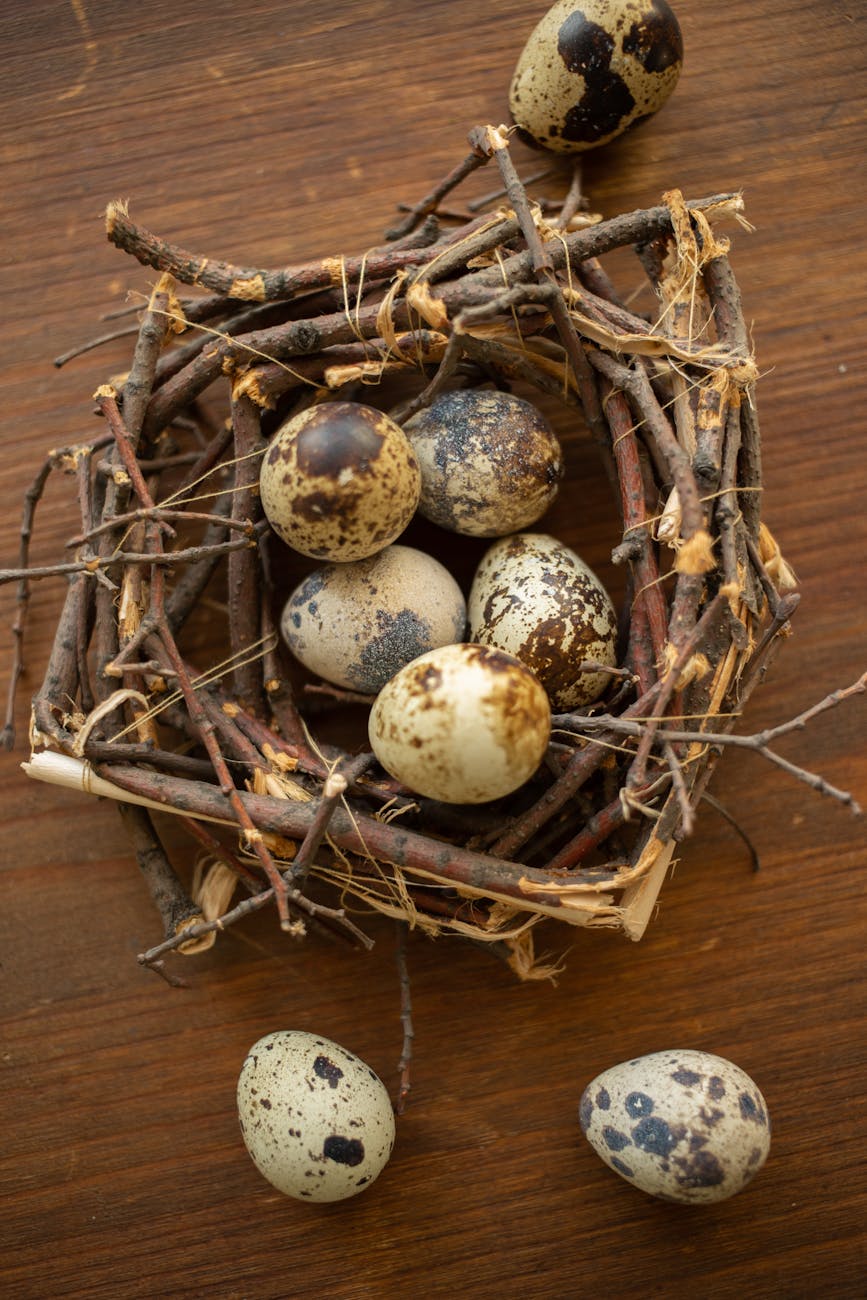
<point x="518" y="295"/>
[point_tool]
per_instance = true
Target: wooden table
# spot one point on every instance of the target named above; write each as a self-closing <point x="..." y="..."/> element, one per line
<point x="274" y="132"/>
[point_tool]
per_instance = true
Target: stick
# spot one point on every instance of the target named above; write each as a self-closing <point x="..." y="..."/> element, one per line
<point x="403" y="1065"/>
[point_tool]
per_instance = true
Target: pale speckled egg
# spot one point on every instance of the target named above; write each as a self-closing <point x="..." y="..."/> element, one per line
<point x="317" y="1122"/>
<point x="357" y="624"/>
<point x="533" y="597"/>
<point x="339" y="482"/>
<point x="462" y="724"/>
<point x="682" y="1125"/>
<point x="490" y="463"/>
<point x="591" y="69"/>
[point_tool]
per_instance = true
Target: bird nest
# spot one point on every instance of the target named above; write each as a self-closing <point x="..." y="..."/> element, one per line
<point x="168" y="689"/>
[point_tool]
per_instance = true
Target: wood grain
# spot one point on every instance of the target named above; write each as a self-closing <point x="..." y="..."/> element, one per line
<point x="276" y="132"/>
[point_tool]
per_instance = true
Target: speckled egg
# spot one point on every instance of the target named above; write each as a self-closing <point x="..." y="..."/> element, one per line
<point x="316" y="1120"/>
<point x="490" y="462"/>
<point x="462" y="724"/>
<point x="536" y="599"/>
<point x="682" y="1125"/>
<point x="339" y="481"/>
<point x="357" y="624"/>
<point x="594" y="68"/>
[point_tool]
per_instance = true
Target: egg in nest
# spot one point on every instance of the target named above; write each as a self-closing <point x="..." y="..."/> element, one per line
<point x="339" y="481"/>
<point x="591" y="70"/>
<point x="357" y="624"/>
<point x="490" y="462"/>
<point x="535" y="598"/>
<point x="462" y="724"/>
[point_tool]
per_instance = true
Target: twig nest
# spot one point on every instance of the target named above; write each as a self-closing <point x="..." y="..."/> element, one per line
<point x="317" y="1122"/>
<point x="592" y="69"/>
<point x="339" y="481"/>
<point x="535" y="598"/>
<point x="463" y="724"/>
<point x="357" y="624"/>
<point x="490" y="463"/>
<point x="682" y="1125"/>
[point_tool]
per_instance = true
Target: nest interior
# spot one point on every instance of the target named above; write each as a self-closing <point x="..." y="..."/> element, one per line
<point x="168" y="688"/>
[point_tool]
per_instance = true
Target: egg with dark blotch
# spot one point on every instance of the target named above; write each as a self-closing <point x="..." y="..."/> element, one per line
<point x="591" y="70"/>
<point x="533" y="597"/>
<point x="490" y="463"/>
<point x="316" y="1120"/>
<point x="462" y="724"/>
<point x="357" y="624"/>
<point x="339" y="481"/>
<point x="683" y="1125"/>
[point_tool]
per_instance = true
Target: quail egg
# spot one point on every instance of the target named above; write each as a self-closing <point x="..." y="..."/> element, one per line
<point x="533" y="597"/>
<point x="356" y="624"/>
<point x="317" y="1121"/>
<point x="462" y="724"/>
<point x="593" y="68"/>
<point x="339" y="481"/>
<point x="682" y="1125"/>
<point x="490" y="462"/>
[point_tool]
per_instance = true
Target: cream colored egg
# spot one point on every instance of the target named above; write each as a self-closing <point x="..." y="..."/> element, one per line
<point x="357" y="624"/>
<point x="536" y="599"/>
<point x="317" y="1121"/>
<point x="339" y="481"/>
<point x="682" y="1125"/>
<point x="490" y="462"/>
<point x="591" y="69"/>
<point x="462" y="724"/>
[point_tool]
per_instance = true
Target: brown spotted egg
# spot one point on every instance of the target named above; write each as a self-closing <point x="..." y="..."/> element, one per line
<point x="682" y="1125"/>
<point x="490" y="462"/>
<point x="462" y="724"/>
<point x="533" y="597"/>
<point x="339" y="481"/>
<point x="357" y="624"/>
<point x="591" y="69"/>
<point x="317" y="1122"/>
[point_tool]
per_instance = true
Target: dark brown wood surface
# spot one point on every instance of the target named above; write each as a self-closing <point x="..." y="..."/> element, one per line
<point x="268" y="133"/>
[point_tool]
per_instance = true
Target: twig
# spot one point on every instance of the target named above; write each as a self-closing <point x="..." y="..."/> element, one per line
<point x="755" y="860"/>
<point x="403" y="1065"/>
<point x="669" y="684"/>
<point x="431" y="201"/>
<point x="759" y="742"/>
<point x="332" y="792"/>
<point x="250" y="284"/>
<point x="179" y="913"/>
<point x="68" y="458"/>
<point x="637" y="540"/>
<point x="491" y="142"/>
<point x="243" y="593"/>
<point x="595" y="830"/>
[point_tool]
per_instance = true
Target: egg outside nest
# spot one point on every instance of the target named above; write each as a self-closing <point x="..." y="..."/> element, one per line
<point x="592" y="70"/>
<point x="316" y="1120"/>
<point x="681" y="1125"/>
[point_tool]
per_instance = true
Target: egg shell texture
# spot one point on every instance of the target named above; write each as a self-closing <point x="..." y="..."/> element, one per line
<point x="317" y="1122"/>
<point x="490" y="462"/>
<point x="357" y="624"/>
<point x="533" y="597"/>
<point x="339" y="482"/>
<point x="462" y="724"/>
<point x="681" y="1125"/>
<point x="591" y="70"/>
